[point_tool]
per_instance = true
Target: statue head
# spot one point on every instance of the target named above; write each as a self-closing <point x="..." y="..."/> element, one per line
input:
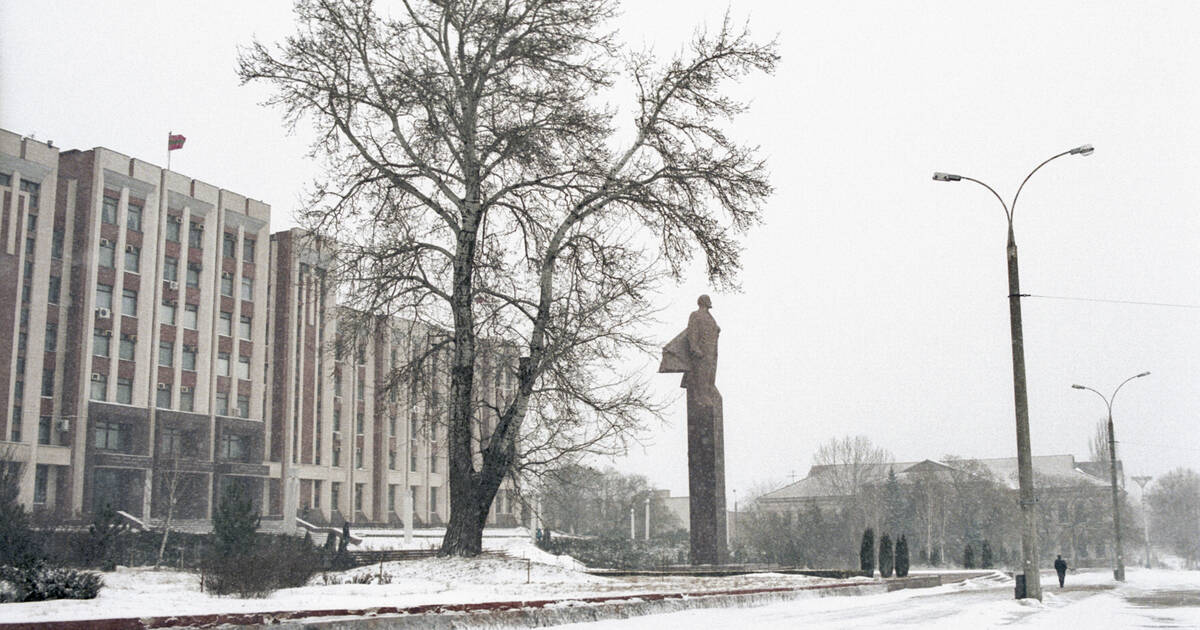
<point x="704" y="301"/>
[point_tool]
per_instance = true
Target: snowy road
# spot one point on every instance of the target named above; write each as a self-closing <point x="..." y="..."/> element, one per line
<point x="1150" y="599"/>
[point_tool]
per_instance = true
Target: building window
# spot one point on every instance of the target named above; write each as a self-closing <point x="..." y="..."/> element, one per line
<point x="247" y="250"/>
<point x="187" y="400"/>
<point x="108" y="253"/>
<point x="335" y="495"/>
<point x="337" y="419"/>
<point x="173" y="229"/>
<point x="104" y="295"/>
<point x="170" y="269"/>
<point x="51" y="337"/>
<point x="33" y="189"/>
<point x="108" y="210"/>
<point x="358" y="496"/>
<point x="316" y="499"/>
<point x="337" y="457"/>
<point x="195" y="234"/>
<point x="433" y="458"/>
<point x="44" y="424"/>
<point x="229" y="245"/>
<point x="128" y="344"/>
<point x="225" y="324"/>
<point x="392" y="460"/>
<point x="223" y="363"/>
<point x="56" y="244"/>
<point x="412" y="456"/>
<point x="31" y="222"/>
<point x="247" y="288"/>
<point x="392" y="497"/>
<point x="227" y="284"/>
<point x="129" y="302"/>
<point x="233" y="447"/>
<point x="111" y="436"/>
<point x="167" y="312"/>
<point x="188" y="359"/>
<point x="193" y="275"/>
<point x="163" y="399"/>
<point x="358" y="457"/>
<point x="244" y="367"/>
<point x="133" y="217"/>
<point x="5" y="179"/>
<point x="166" y="353"/>
<point x="30" y="247"/>
<point x="41" y="482"/>
<point x="359" y="423"/>
<point x="243" y="403"/>
<point x="55" y="290"/>
<point x="433" y="496"/>
<point x="133" y="258"/>
<point x="16" y="424"/>
<point x="172" y="442"/>
<point x="48" y="383"/>
<point x="244" y="324"/>
<point x="191" y="317"/>
<point x="124" y="391"/>
<point x="100" y="339"/>
<point x="99" y="385"/>
<point x="222" y="404"/>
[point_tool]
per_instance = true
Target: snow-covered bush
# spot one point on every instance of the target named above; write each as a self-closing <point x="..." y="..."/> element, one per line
<point x="35" y="584"/>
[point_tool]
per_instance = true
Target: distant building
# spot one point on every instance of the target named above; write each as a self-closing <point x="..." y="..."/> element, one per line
<point x="153" y="330"/>
<point x="1074" y="501"/>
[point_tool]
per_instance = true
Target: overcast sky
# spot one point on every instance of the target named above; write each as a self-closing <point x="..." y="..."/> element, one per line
<point x="873" y="299"/>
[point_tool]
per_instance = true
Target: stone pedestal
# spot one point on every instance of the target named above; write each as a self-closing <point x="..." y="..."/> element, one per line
<point x="706" y="477"/>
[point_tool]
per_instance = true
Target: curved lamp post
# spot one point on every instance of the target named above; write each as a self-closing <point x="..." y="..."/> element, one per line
<point x="1119" y="569"/>
<point x="1033" y="583"/>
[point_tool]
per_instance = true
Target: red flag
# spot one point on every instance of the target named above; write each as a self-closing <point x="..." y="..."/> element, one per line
<point x="175" y="141"/>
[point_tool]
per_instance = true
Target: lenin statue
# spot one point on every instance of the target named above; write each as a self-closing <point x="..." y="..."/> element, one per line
<point x="694" y="353"/>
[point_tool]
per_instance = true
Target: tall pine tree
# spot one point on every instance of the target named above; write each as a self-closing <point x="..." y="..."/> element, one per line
<point x="886" y="560"/>
<point x="902" y="557"/>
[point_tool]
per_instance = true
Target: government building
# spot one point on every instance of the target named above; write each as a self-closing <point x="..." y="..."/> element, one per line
<point x="158" y="343"/>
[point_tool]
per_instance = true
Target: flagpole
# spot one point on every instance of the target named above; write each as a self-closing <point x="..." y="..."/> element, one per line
<point x="169" y="149"/>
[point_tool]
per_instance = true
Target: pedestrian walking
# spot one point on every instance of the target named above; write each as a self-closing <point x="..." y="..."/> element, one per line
<point x="1060" y="567"/>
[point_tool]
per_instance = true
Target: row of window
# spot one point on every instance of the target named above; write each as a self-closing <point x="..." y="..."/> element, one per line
<point x="129" y="302"/>
<point x="115" y="436"/>
<point x="335" y="496"/>
<point x="162" y="399"/>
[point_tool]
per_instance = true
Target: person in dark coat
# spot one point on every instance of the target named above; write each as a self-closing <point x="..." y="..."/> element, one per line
<point x="1060" y="567"/>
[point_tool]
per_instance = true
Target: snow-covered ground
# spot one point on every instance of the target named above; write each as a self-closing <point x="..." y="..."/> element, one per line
<point x="1156" y="598"/>
<point x="528" y="574"/>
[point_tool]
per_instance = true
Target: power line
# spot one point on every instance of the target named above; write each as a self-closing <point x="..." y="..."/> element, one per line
<point x="1108" y="301"/>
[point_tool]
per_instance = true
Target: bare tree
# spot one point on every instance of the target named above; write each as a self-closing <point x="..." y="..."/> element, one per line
<point x="476" y="183"/>
<point x="1175" y="503"/>
<point x="853" y="467"/>
<point x="169" y="484"/>
<point x="1098" y="445"/>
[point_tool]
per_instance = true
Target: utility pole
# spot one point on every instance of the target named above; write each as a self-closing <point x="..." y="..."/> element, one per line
<point x="1029" y="547"/>
<point x="1119" y="564"/>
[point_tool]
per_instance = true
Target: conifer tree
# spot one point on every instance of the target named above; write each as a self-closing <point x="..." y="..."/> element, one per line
<point x="866" y="553"/>
<point x="985" y="555"/>
<point x="886" y="559"/>
<point x="969" y="558"/>
<point x="235" y="522"/>
<point x="902" y="557"/>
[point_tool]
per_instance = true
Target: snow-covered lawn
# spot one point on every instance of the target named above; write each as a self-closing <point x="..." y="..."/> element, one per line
<point x="529" y="574"/>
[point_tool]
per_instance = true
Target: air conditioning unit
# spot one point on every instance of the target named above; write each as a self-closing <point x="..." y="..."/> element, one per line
<point x="96" y="376"/>
<point x="162" y="387"/>
<point x="103" y="313"/>
<point x="64" y="425"/>
<point x="105" y="243"/>
<point x="131" y="248"/>
<point x="173" y="285"/>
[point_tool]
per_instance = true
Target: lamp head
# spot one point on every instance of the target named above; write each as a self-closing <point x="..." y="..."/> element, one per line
<point x="1086" y="149"/>
<point x="1078" y="387"/>
<point x="1142" y="374"/>
<point x="946" y="177"/>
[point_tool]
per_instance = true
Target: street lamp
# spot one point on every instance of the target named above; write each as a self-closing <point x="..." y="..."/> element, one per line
<point x="1033" y="583"/>
<point x="1119" y="570"/>
<point x="1141" y="481"/>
